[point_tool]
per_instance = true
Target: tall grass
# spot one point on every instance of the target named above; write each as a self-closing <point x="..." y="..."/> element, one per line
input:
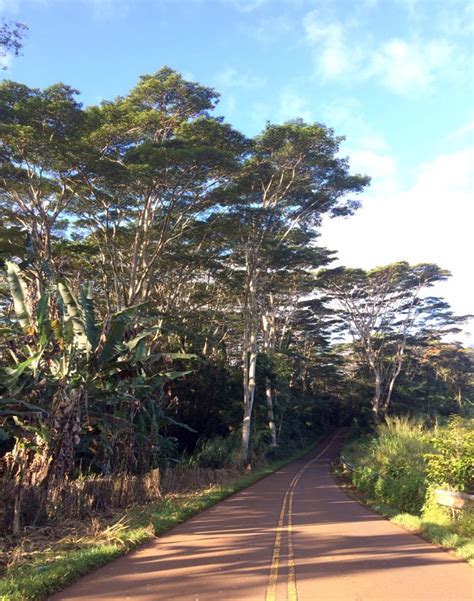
<point x="393" y="470"/>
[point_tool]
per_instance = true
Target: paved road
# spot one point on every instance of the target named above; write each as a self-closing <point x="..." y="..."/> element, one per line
<point x="292" y="536"/>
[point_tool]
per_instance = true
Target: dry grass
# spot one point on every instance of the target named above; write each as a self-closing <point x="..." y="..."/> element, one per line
<point x="90" y="511"/>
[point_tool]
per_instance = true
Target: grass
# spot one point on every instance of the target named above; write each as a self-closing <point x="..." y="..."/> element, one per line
<point x="63" y="562"/>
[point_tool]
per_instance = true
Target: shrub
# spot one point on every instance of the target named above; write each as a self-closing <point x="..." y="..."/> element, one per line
<point x="217" y="452"/>
<point x="452" y="464"/>
<point x="393" y="471"/>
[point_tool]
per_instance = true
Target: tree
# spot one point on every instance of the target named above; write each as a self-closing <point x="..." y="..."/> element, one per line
<point x="291" y="178"/>
<point x="11" y="36"/>
<point x="159" y="161"/>
<point x="382" y="309"/>
<point x="40" y="156"/>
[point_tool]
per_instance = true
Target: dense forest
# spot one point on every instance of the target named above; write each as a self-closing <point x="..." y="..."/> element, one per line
<point x="164" y="295"/>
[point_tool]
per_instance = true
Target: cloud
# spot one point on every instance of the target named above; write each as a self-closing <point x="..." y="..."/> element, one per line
<point x="246" y="6"/>
<point x="231" y="78"/>
<point x="378" y="166"/>
<point x="5" y="61"/>
<point x="404" y="66"/>
<point x="101" y="9"/>
<point x="271" y="27"/>
<point x="428" y="221"/>
<point x="107" y="9"/>
<point x="344" y="115"/>
<point x="7" y="6"/>
<point x="343" y="51"/>
<point x="462" y="132"/>
<point x="293" y="105"/>
<point x="330" y="40"/>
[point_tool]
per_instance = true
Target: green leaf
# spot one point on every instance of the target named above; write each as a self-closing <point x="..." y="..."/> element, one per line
<point x="159" y="356"/>
<point x="87" y="304"/>
<point x="173" y="375"/>
<point x="43" y="323"/>
<point x="19" y="293"/>
<point x="25" y="404"/>
<point x="118" y="326"/>
<point x="4" y="435"/>
<point x="134" y="341"/>
<point x="14" y="373"/>
<point x="75" y="316"/>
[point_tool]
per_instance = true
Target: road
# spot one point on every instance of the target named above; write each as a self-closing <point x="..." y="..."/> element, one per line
<point x="293" y="536"/>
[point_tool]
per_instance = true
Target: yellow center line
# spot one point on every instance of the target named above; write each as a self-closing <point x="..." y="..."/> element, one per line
<point x="292" y="590"/>
<point x="273" y="578"/>
<point x="288" y="500"/>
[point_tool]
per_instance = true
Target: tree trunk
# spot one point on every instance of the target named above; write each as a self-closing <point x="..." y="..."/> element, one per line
<point x="376" y="409"/>
<point x="271" y="416"/>
<point x="249" y="367"/>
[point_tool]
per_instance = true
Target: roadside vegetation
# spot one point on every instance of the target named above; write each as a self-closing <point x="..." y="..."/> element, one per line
<point x="399" y="467"/>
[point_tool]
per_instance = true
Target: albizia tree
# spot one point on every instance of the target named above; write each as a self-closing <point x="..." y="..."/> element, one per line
<point x="383" y="309"/>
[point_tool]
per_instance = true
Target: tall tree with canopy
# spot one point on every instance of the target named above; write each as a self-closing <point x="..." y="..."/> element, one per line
<point x="40" y="157"/>
<point x="160" y="158"/>
<point x="291" y="178"/>
<point x="11" y="39"/>
<point x="382" y="309"/>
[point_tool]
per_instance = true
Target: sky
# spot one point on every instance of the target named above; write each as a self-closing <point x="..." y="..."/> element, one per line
<point x="395" y="77"/>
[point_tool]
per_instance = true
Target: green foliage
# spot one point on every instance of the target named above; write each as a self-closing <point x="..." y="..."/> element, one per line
<point x="394" y="470"/>
<point x="217" y="452"/>
<point x="452" y="464"/>
<point x="405" y="462"/>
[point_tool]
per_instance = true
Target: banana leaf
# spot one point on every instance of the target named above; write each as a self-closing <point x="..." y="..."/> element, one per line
<point x="19" y="293"/>
<point x="44" y="326"/>
<point x="88" y="307"/>
<point x="173" y="375"/>
<point x="12" y="374"/>
<point x="25" y="404"/>
<point x="159" y="356"/>
<point x="113" y="345"/>
<point x="75" y="316"/>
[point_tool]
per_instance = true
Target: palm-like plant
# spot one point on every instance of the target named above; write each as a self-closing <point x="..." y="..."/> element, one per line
<point x="76" y="389"/>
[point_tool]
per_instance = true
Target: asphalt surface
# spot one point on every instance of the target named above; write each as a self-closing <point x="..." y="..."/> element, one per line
<point x="293" y="536"/>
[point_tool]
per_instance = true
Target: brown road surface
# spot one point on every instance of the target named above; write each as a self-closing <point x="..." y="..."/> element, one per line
<point x="294" y="536"/>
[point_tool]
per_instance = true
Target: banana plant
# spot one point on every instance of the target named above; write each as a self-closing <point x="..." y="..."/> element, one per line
<point x="19" y="292"/>
<point x="66" y="348"/>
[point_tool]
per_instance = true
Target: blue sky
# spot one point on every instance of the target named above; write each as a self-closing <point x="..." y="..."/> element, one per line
<point x="396" y="77"/>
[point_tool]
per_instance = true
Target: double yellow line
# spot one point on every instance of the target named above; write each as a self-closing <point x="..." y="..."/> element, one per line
<point x="288" y="502"/>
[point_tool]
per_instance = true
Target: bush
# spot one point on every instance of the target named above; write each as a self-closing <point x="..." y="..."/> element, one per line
<point x="217" y="452"/>
<point x="393" y="471"/>
<point x="452" y="464"/>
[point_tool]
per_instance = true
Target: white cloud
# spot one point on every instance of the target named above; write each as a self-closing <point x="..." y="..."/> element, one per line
<point x="344" y="115"/>
<point x="343" y="51"/>
<point x="246" y="6"/>
<point x="268" y="29"/>
<point x="430" y="221"/>
<point x="293" y="106"/>
<point x="5" y="61"/>
<point x="378" y="166"/>
<point x="462" y="132"/>
<point x="7" y="6"/>
<point x="231" y="78"/>
<point x="404" y="66"/>
<point x="330" y="39"/>
<point x="107" y="9"/>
